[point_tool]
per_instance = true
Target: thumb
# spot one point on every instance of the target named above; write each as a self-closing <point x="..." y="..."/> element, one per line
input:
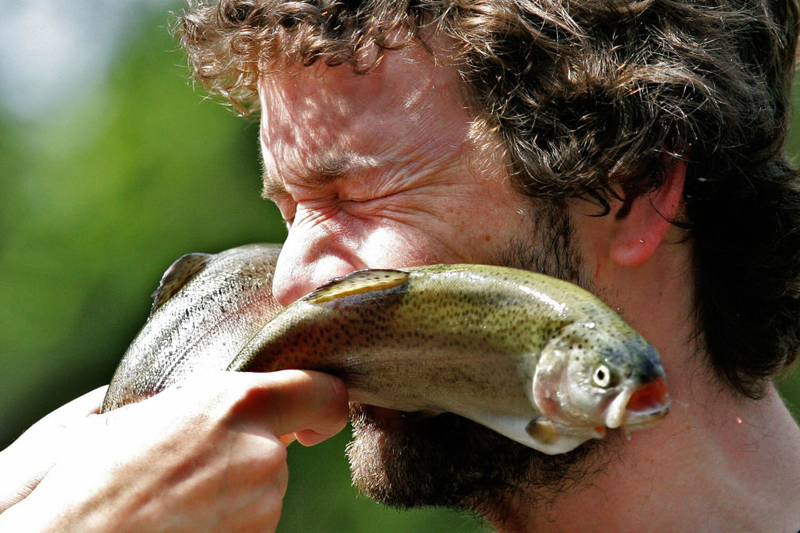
<point x="311" y="405"/>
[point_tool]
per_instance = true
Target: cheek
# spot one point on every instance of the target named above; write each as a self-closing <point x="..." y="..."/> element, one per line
<point x="550" y="407"/>
<point x="565" y="397"/>
<point x="406" y="230"/>
<point x="389" y="244"/>
<point x="546" y="392"/>
<point x="381" y="238"/>
<point x="586" y="403"/>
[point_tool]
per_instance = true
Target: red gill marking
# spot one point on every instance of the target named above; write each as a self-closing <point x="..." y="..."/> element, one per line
<point x="650" y="397"/>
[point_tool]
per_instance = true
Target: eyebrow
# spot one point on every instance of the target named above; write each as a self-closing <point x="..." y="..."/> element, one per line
<point x="318" y="170"/>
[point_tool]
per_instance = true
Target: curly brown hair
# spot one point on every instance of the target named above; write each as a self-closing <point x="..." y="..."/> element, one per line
<point x="589" y="97"/>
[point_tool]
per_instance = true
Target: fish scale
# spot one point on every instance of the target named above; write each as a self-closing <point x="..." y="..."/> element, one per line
<point x="535" y="358"/>
<point x="453" y="364"/>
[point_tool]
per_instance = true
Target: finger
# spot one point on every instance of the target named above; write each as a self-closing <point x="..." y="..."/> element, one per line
<point x="294" y="401"/>
<point x="288" y="439"/>
<point x="311" y="437"/>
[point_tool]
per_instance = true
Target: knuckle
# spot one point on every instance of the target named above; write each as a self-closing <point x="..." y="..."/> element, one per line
<point x="240" y="400"/>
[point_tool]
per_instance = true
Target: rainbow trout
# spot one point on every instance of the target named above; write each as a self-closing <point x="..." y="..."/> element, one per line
<point x="535" y="358"/>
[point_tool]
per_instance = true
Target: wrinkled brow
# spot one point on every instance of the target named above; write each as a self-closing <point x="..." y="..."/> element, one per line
<point x="316" y="171"/>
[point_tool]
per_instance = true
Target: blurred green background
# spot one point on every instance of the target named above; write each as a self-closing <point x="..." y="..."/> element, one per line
<point x="111" y="166"/>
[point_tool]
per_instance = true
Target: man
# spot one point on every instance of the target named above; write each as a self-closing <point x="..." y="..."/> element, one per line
<point x="633" y="148"/>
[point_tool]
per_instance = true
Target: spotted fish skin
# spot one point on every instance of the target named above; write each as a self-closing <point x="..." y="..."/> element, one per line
<point x="492" y="344"/>
<point x="205" y="310"/>
<point x="413" y="344"/>
<point x="535" y="358"/>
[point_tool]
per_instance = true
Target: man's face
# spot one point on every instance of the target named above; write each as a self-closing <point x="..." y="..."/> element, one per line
<point x="374" y="171"/>
<point x="378" y="171"/>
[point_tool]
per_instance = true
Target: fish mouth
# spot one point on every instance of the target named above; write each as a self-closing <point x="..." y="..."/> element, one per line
<point x="639" y="408"/>
<point x="648" y="405"/>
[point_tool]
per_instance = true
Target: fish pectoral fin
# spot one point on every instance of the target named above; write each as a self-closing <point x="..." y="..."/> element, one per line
<point x="363" y="281"/>
<point x="178" y="275"/>
<point x="544" y="431"/>
<point x="550" y="438"/>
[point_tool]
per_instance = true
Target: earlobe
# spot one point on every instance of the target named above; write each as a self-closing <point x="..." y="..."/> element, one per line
<point x="641" y="222"/>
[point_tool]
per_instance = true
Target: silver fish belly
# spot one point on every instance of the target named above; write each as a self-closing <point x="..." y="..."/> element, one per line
<point x="535" y="358"/>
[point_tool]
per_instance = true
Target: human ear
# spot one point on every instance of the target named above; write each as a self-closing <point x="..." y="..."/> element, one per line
<point x="641" y="222"/>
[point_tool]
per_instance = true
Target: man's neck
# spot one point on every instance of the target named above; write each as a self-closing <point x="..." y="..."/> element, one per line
<point x="716" y="463"/>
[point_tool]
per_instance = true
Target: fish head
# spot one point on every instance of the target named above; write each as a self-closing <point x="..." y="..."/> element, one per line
<point x="591" y="377"/>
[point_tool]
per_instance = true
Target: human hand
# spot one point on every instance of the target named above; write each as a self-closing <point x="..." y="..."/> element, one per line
<point x="208" y="456"/>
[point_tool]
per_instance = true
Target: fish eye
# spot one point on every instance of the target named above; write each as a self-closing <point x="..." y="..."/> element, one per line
<point x="602" y="376"/>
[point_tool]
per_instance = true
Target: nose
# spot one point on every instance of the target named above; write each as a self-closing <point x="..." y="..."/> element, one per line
<point x="308" y="260"/>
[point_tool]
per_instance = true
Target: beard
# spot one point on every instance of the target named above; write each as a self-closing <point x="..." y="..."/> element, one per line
<point x="406" y="461"/>
<point x="449" y="461"/>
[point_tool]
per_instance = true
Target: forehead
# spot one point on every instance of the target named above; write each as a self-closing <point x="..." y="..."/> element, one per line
<point x="322" y="116"/>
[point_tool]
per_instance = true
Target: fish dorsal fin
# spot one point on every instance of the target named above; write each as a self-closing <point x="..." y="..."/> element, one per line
<point x="177" y="275"/>
<point x="363" y="281"/>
